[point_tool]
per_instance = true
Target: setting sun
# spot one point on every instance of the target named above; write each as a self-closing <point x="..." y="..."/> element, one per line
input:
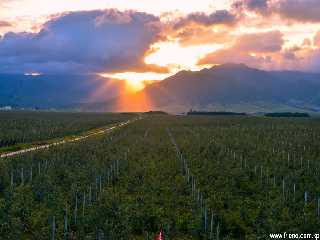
<point x="146" y="104"/>
<point x="165" y="54"/>
<point x="135" y="81"/>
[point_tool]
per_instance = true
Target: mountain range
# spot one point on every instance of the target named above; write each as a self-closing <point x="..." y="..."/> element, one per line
<point x="228" y="87"/>
<point x="56" y="91"/>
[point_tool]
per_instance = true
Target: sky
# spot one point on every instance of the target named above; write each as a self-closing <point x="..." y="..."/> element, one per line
<point x="150" y="40"/>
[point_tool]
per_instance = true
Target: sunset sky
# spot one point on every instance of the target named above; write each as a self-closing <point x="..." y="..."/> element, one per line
<point x="149" y="40"/>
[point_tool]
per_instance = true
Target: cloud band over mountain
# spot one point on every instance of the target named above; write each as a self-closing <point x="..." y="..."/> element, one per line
<point x="112" y="40"/>
<point x="84" y="42"/>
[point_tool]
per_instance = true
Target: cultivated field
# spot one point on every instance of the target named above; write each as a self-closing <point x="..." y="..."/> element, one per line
<point x="25" y="127"/>
<point x="194" y="177"/>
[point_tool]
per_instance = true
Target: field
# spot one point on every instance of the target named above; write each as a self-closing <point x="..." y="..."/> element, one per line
<point x="195" y="177"/>
<point x="20" y="129"/>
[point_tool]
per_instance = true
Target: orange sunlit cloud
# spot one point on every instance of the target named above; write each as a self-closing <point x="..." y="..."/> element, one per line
<point x="168" y="54"/>
<point x="176" y="57"/>
<point x="126" y="45"/>
<point x="175" y="34"/>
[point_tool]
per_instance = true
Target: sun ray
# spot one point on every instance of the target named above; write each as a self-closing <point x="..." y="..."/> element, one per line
<point x="135" y="81"/>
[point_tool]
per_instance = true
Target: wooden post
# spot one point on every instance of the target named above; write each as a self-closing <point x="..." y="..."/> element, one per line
<point x="205" y="219"/>
<point x="84" y="204"/>
<point x="211" y="226"/>
<point x="11" y="178"/>
<point x="53" y="230"/>
<point x="66" y="224"/>
<point x="118" y="168"/>
<point x="22" y="176"/>
<point x="90" y="195"/>
<point x="305" y="198"/>
<point x="76" y="210"/>
<point x="283" y="189"/>
<point x="318" y="208"/>
<point x="218" y="231"/>
<point x="31" y="173"/>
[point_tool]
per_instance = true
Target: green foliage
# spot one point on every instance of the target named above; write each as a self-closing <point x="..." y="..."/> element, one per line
<point x="25" y="127"/>
<point x="287" y="114"/>
<point x="134" y="181"/>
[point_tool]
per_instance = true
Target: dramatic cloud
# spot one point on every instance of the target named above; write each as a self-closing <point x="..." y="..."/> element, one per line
<point x="197" y="35"/>
<point x="220" y="17"/>
<point x="314" y="60"/>
<point x="300" y="10"/>
<point x="84" y="42"/>
<point x="5" y="24"/>
<point x="199" y="28"/>
<point x="294" y="10"/>
<point x="230" y="55"/>
<point x="257" y="50"/>
<point x="258" y="6"/>
<point x="116" y="41"/>
<point x="267" y="50"/>
<point x="316" y="40"/>
<point x="260" y="42"/>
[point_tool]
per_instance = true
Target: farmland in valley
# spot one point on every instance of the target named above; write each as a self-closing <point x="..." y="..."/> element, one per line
<point x="19" y="129"/>
<point x="195" y="177"/>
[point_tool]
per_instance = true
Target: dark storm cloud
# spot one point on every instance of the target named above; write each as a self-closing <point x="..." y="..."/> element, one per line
<point x="220" y="17"/>
<point x="294" y="10"/>
<point x="82" y="42"/>
<point x="260" y="6"/>
<point x="299" y="10"/>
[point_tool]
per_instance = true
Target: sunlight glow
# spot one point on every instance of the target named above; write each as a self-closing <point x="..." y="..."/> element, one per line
<point x="135" y="81"/>
<point x="172" y="55"/>
<point x="166" y="54"/>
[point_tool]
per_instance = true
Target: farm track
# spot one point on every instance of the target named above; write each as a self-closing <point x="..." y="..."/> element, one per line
<point x="64" y="141"/>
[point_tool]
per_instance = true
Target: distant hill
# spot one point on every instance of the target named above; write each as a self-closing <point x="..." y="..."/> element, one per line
<point x="229" y="87"/>
<point x="197" y="113"/>
<point x="224" y="88"/>
<point x="56" y="91"/>
<point x="287" y="114"/>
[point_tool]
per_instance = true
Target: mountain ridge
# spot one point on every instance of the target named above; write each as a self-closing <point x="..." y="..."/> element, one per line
<point x="225" y="86"/>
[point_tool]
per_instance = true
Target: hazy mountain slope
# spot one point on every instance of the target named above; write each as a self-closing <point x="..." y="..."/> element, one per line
<point x="55" y="91"/>
<point x="232" y="87"/>
<point x="227" y="87"/>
